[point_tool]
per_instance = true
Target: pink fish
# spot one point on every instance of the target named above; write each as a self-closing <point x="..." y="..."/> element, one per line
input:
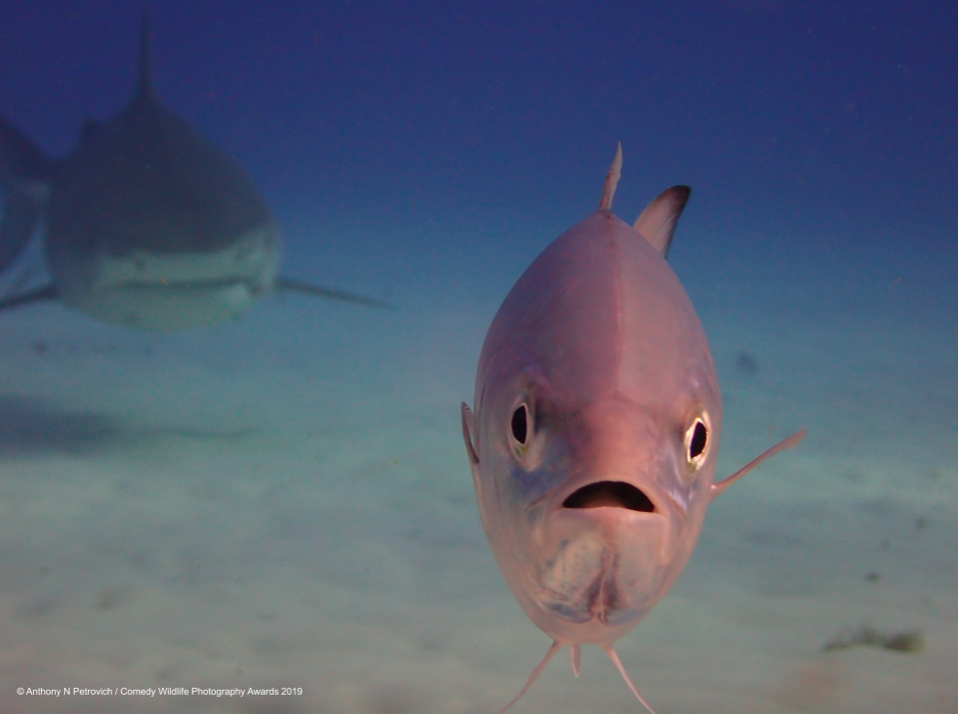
<point x="596" y="429"/>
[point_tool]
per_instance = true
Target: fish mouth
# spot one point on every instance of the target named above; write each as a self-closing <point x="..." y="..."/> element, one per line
<point x="614" y="494"/>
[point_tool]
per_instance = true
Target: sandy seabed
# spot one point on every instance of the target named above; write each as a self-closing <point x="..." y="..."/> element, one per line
<point x="285" y="502"/>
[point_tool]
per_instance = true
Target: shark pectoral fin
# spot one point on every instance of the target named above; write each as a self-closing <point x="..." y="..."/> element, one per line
<point x="657" y="222"/>
<point x="788" y="443"/>
<point x="556" y="646"/>
<point x="296" y="287"/>
<point x="47" y="292"/>
<point x="21" y="160"/>
<point x="24" y="181"/>
<point x="21" y="212"/>
<point x="610" y="650"/>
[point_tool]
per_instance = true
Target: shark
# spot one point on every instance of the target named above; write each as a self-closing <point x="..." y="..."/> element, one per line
<point x="146" y="224"/>
<point x="596" y="429"/>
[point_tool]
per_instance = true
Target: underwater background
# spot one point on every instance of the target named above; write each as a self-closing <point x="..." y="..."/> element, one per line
<point x="285" y="501"/>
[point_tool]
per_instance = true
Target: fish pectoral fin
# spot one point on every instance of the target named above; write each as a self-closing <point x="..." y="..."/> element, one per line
<point x="297" y="287"/>
<point x="556" y="646"/>
<point x="610" y="650"/>
<point x="788" y="443"/>
<point x="657" y="222"/>
<point x="468" y="429"/>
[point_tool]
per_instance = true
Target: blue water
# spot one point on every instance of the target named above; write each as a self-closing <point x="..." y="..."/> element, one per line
<point x="285" y="500"/>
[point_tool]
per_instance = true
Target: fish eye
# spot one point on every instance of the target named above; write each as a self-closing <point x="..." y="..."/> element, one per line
<point x="696" y="441"/>
<point x="520" y="424"/>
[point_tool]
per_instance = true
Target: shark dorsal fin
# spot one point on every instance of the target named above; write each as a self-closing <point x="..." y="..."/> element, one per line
<point x="144" y="80"/>
<point x="657" y="222"/>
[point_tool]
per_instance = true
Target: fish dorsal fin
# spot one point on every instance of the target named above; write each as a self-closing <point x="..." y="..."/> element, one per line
<point x="144" y="80"/>
<point x="657" y="222"/>
<point x="611" y="180"/>
<point x="788" y="443"/>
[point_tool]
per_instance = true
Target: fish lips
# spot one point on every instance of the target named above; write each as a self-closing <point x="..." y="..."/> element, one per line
<point x="608" y="492"/>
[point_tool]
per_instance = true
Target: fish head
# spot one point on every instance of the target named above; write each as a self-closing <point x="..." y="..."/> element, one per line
<point x="595" y="434"/>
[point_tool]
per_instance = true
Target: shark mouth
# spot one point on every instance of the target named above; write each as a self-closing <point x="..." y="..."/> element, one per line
<point x="616" y="494"/>
<point x="255" y="286"/>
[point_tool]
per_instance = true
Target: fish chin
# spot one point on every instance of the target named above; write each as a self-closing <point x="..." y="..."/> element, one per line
<point x="602" y="568"/>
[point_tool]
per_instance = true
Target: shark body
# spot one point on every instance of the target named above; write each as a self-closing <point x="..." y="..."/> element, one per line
<point x="146" y="224"/>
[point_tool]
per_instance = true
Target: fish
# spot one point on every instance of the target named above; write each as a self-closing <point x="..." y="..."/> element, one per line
<point x="596" y="429"/>
<point x="146" y="224"/>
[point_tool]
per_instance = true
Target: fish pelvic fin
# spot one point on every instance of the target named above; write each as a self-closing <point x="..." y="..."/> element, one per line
<point x="788" y="443"/>
<point x="611" y="180"/>
<point x="556" y="646"/>
<point x="575" y="652"/>
<point x="610" y="650"/>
